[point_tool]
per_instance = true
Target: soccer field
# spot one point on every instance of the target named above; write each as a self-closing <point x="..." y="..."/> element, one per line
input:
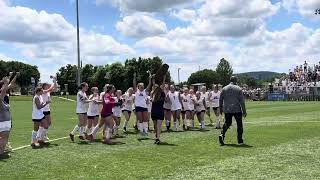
<point x="282" y="142"/>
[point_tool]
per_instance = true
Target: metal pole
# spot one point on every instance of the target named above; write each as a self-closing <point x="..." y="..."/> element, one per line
<point x="78" y="46"/>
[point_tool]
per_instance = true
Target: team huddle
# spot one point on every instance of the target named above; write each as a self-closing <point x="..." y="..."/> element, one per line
<point x="158" y="102"/>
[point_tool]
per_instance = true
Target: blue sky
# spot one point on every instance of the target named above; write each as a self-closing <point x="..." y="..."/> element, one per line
<point x="253" y="35"/>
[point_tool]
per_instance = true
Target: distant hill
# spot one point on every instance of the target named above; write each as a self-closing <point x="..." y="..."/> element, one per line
<point x="261" y="75"/>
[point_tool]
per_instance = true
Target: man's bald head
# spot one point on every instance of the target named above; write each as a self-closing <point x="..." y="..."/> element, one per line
<point x="233" y="79"/>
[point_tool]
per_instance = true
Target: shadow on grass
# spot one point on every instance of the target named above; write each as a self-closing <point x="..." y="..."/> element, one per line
<point x="204" y="130"/>
<point x="118" y="137"/>
<point x="166" y="144"/>
<point x="83" y="143"/>
<point x="144" y="139"/>
<point x="130" y="132"/>
<point x="116" y="143"/>
<point x="239" y="146"/>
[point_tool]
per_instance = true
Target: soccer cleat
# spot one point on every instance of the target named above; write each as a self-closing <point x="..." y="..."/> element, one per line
<point x="157" y="141"/>
<point x="35" y="145"/>
<point x="107" y="141"/>
<point x="124" y="129"/>
<point x="71" y="137"/>
<point x="89" y="137"/>
<point x="240" y="142"/>
<point x="184" y="127"/>
<point x="5" y="155"/>
<point x="221" y="139"/>
<point x="81" y="138"/>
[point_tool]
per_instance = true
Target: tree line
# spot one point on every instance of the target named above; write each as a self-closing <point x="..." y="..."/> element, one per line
<point x="118" y="74"/>
<point x="26" y="72"/>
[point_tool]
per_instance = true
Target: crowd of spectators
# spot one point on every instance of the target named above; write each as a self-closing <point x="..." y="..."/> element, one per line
<point x="305" y="74"/>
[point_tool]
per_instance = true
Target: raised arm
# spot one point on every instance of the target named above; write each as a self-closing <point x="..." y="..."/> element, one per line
<point x="150" y="83"/>
<point x="134" y="83"/>
<point x="39" y="105"/>
<point x="4" y="88"/>
<point x="13" y="81"/>
<point x="52" y="87"/>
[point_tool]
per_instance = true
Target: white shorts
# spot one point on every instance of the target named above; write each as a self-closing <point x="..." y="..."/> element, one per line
<point x="5" y="126"/>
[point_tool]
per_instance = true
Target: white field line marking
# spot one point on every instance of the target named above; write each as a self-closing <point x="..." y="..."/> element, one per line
<point x="66" y="99"/>
<point x="22" y="147"/>
<point x="259" y="122"/>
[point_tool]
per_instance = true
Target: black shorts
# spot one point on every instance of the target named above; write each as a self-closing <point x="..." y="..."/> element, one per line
<point x="129" y="112"/>
<point x="106" y="115"/>
<point x="38" y="120"/>
<point x="82" y="113"/>
<point x="155" y="116"/>
<point x="215" y="108"/>
<point x="183" y="112"/>
<point x="141" y="109"/>
<point x="92" y="117"/>
<point x="167" y="109"/>
<point x="198" y="113"/>
<point x="46" y="113"/>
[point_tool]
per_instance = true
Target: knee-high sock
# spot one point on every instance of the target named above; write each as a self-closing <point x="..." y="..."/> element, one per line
<point x="187" y="122"/>
<point x="95" y="130"/>
<point x="44" y="134"/>
<point x="167" y="122"/>
<point x="203" y="124"/>
<point x="108" y="133"/>
<point x="34" y="136"/>
<point x="145" y="126"/>
<point x="140" y="127"/>
<point x="75" y="129"/>
<point x="126" y="124"/>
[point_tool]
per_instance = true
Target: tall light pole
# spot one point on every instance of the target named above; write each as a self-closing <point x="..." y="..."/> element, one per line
<point x="179" y="76"/>
<point x="78" y="46"/>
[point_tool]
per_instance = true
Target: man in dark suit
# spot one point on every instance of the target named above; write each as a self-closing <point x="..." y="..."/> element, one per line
<point x="232" y="104"/>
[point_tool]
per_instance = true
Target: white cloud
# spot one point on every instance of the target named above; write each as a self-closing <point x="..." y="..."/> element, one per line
<point x="139" y="26"/>
<point x="3" y="57"/>
<point x="304" y="7"/>
<point x="49" y="38"/>
<point x="145" y="5"/>
<point x="185" y="14"/>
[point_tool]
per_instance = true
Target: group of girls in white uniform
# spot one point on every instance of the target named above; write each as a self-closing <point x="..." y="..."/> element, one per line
<point x="112" y="104"/>
<point x="41" y="113"/>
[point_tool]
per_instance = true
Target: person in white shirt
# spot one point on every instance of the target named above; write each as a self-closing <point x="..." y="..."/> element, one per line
<point x="141" y="106"/>
<point x="47" y="90"/>
<point x="200" y="109"/>
<point x="116" y="110"/>
<point x="214" y="99"/>
<point x="186" y="110"/>
<point x="81" y="111"/>
<point x="206" y="96"/>
<point x="37" y="136"/>
<point x="176" y="106"/>
<point x="192" y="107"/>
<point x="128" y="107"/>
<point x="93" y="110"/>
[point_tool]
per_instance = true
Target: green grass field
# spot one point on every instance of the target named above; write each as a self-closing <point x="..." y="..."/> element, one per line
<point x="283" y="140"/>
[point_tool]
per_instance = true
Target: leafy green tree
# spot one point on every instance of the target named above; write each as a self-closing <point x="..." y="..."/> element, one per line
<point x="206" y="76"/>
<point x="67" y="75"/>
<point x="224" y="71"/>
<point x="26" y="72"/>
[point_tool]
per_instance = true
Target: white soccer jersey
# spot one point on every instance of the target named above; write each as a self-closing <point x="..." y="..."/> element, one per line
<point x="81" y="105"/>
<point x="141" y="99"/>
<point x="37" y="113"/>
<point x="205" y="96"/>
<point x="116" y="110"/>
<point x="46" y="97"/>
<point x="93" y="109"/>
<point x="200" y="105"/>
<point x="186" y="102"/>
<point x="214" y="99"/>
<point x="175" y="101"/>
<point x="191" y="105"/>
<point x="128" y="102"/>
